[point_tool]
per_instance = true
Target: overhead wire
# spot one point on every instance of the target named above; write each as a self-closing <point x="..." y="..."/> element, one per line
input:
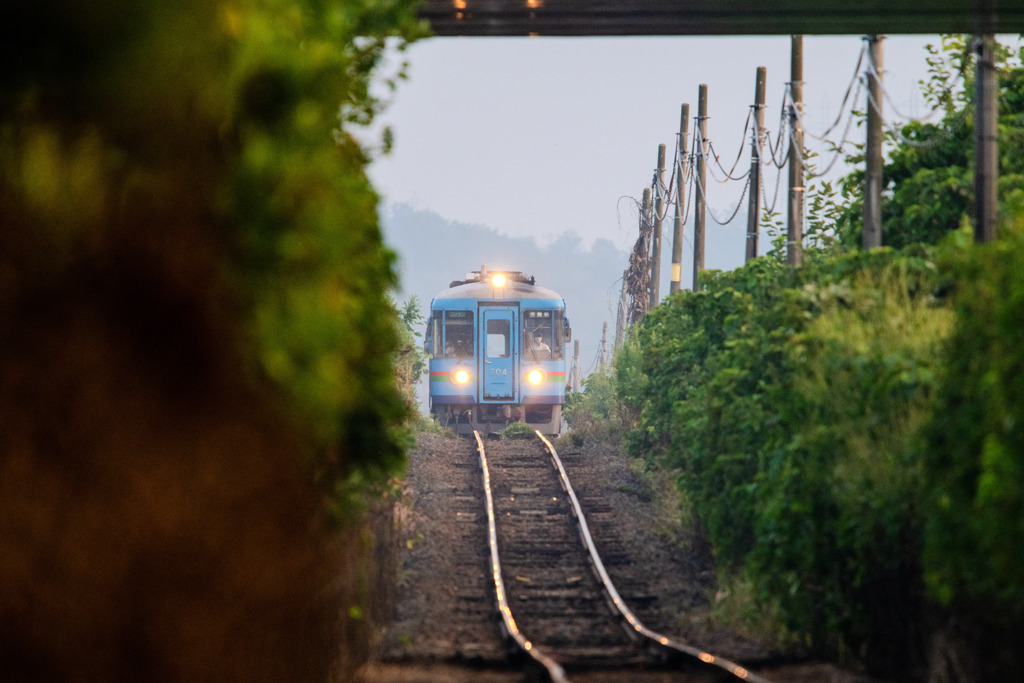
<point x="873" y="71"/>
<point x="739" y="204"/>
<point x="758" y="140"/>
<point x="659" y="190"/>
<point x="729" y="174"/>
<point x="775" y="197"/>
<point x="783" y="130"/>
<point x="780" y="146"/>
<point x="837" y="149"/>
<point x="686" y="168"/>
<point x="854" y="80"/>
<point x="739" y="155"/>
<point x="897" y="129"/>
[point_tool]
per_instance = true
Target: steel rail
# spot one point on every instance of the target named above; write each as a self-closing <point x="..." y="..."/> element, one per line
<point x="554" y="670"/>
<point x="655" y="638"/>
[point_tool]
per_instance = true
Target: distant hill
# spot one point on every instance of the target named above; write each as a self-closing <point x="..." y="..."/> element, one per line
<point x="433" y="251"/>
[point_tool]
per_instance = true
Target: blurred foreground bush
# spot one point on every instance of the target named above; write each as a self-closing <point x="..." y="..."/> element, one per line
<point x="195" y="345"/>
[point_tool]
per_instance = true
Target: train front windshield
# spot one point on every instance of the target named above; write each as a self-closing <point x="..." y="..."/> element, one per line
<point x="458" y="334"/>
<point x="542" y="338"/>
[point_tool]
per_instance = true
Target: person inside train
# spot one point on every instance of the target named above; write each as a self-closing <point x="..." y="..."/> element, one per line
<point x="458" y="348"/>
<point x="535" y="345"/>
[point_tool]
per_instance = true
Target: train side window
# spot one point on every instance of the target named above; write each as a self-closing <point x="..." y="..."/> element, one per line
<point x="557" y="349"/>
<point x="498" y="332"/>
<point x="432" y="342"/>
<point x="458" y="334"/>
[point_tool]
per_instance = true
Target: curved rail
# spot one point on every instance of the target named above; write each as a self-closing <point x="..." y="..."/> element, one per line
<point x="555" y="671"/>
<point x="657" y="639"/>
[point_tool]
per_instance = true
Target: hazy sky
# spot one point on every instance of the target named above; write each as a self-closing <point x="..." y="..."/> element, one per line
<point x="539" y="136"/>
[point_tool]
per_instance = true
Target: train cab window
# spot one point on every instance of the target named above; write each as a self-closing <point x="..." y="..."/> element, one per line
<point x="498" y="333"/>
<point x="432" y="339"/>
<point x="458" y="334"/>
<point x="541" y="340"/>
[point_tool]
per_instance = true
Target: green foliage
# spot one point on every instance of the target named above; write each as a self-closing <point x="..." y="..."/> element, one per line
<point x="845" y="435"/>
<point x="929" y="177"/>
<point x="594" y="408"/>
<point x="836" y="525"/>
<point x="788" y="400"/>
<point x="310" y="248"/>
<point x="130" y="129"/>
<point x="189" y="239"/>
<point x="410" y="360"/>
<point x="516" y="430"/>
<point x="974" y="454"/>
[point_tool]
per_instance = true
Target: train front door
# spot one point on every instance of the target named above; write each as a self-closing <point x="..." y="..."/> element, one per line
<point x="497" y="327"/>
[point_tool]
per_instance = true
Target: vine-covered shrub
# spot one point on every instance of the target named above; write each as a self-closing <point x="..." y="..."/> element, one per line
<point x="789" y="400"/>
<point x="973" y="457"/>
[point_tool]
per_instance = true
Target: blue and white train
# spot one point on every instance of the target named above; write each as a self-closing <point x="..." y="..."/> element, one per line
<point x="497" y="343"/>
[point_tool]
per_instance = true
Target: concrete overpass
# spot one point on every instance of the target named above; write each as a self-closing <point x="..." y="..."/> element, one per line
<point x="719" y="17"/>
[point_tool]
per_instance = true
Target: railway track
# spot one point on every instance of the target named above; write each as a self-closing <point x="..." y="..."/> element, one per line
<point x="557" y="603"/>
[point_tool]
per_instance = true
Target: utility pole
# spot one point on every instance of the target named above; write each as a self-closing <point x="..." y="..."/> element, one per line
<point x="575" y="379"/>
<point x="872" y="233"/>
<point x="604" y="346"/>
<point x="700" y="201"/>
<point x="985" y="140"/>
<point x="677" y="226"/>
<point x="659" y="184"/>
<point x="645" y="218"/>
<point x="795" y="226"/>
<point x="756" y="140"/>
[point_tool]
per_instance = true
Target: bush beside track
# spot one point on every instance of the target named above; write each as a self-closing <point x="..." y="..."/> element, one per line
<point x="845" y="434"/>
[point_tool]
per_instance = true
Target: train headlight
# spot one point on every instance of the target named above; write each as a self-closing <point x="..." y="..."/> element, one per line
<point x="498" y="280"/>
<point x="536" y="376"/>
<point x="460" y="376"/>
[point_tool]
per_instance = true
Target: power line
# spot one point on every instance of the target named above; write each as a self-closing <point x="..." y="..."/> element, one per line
<point x="856" y="79"/>
<point x="739" y="155"/>
<point x="739" y="204"/>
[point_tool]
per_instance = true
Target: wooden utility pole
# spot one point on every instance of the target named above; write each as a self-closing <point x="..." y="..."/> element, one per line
<point x="700" y="201"/>
<point x="659" y="184"/>
<point x="574" y="381"/>
<point x="756" y="141"/>
<point x="795" y="226"/>
<point x="604" y="346"/>
<point x="645" y="219"/>
<point x="985" y="140"/>
<point x="677" y="225"/>
<point x="872" y="232"/>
